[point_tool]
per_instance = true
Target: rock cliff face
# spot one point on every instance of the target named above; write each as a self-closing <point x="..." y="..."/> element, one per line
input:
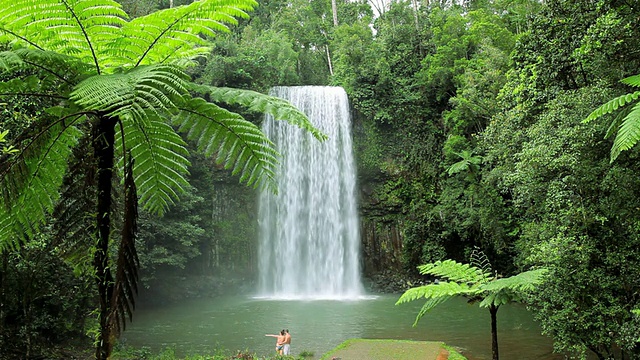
<point x="381" y="231"/>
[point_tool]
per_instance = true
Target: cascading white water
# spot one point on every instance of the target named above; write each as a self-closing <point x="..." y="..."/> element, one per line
<point x="309" y="231"/>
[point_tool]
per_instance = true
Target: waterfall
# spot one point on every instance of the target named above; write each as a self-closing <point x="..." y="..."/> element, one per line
<point x="309" y="231"/>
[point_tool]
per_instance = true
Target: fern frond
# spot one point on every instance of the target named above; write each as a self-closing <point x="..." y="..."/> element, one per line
<point x="454" y="271"/>
<point x="280" y="109"/>
<point x="177" y="33"/>
<point x="73" y="221"/>
<point x="499" y="298"/>
<point x="632" y="80"/>
<point x="525" y="281"/>
<point x="435" y="291"/>
<point x="237" y="143"/>
<point x="10" y="61"/>
<point x="628" y="134"/>
<point x="428" y="306"/>
<point x="29" y="182"/>
<point x="161" y="163"/>
<point x="612" y="105"/>
<point x="72" y="27"/>
<point x="458" y="167"/>
<point x="480" y="260"/>
<point x="155" y="88"/>
<point x="125" y="288"/>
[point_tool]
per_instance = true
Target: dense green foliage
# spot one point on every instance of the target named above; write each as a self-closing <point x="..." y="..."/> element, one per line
<point x="468" y="123"/>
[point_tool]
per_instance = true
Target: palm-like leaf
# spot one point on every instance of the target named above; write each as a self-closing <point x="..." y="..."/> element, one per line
<point x="523" y="282"/>
<point x="254" y="101"/>
<point x="71" y="27"/>
<point x="628" y="132"/>
<point x="175" y="34"/>
<point x="455" y="271"/>
<point x="161" y="165"/>
<point x="429" y="305"/>
<point x="435" y="291"/>
<point x="30" y="192"/>
<point x="236" y="142"/>
<point x="131" y="95"/>
<point x="435" y="294"/>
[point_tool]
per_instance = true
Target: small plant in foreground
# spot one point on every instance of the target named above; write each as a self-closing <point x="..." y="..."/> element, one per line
<point x="306" y="354"/>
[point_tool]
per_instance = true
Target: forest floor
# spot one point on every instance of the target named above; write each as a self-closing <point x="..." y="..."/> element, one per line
<point x="365" y="349"/>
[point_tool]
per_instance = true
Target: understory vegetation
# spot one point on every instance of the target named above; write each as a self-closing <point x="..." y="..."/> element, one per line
<point x="469" y="131"/>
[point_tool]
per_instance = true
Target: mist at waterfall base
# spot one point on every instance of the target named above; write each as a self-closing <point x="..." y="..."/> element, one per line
<point x="309" y="230"/>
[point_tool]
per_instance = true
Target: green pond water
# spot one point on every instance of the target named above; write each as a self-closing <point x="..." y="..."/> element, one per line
<point x="240" y="323"/>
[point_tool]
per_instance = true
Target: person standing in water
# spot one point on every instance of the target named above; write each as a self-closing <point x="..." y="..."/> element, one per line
<point x="279" y="341"/>
<point x="287" y="343"/>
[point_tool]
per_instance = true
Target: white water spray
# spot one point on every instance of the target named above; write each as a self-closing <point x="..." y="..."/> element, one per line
<point x="309" y="232"/>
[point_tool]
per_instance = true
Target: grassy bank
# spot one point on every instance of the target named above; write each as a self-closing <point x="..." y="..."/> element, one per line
<point x="366" y="349"/>
<point x="352" y="349"/>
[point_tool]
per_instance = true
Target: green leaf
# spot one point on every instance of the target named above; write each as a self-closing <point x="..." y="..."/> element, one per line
<point x="612" y="105"/>
<point x="435" y="291"/>
<point x="280" y="109"/>
<point x="154" y="88"/>
<point x="632" y="80"/>
<point x="30" y="182"/>
<point x="177" y="34"/>
<point x="628" y="133"/>
<point x="524" y="281"/>
<point x="237" y="143"/>
<point x="454" y="271"/>
<point x="73" y="27"/>
<point x="160" y="163"/>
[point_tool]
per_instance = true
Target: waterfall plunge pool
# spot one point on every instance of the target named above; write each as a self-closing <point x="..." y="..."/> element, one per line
<point x="240" y="323"/>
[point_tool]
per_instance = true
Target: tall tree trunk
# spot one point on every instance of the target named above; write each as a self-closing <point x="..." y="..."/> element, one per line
<point x="103" y="141"/>
<point x="494" y="332"/>
<point x="334" y="9"/>
<point x="329" y="60"/>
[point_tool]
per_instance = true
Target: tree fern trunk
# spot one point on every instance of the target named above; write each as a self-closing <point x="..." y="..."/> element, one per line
<point x="494" y="332"/>
<point x="103" y="141"/>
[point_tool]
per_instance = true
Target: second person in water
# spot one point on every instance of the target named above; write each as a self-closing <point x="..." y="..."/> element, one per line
<point x="283" y="342"/>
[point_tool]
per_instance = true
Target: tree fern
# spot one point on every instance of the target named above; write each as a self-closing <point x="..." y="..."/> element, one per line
<point x="475" y="283"/>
